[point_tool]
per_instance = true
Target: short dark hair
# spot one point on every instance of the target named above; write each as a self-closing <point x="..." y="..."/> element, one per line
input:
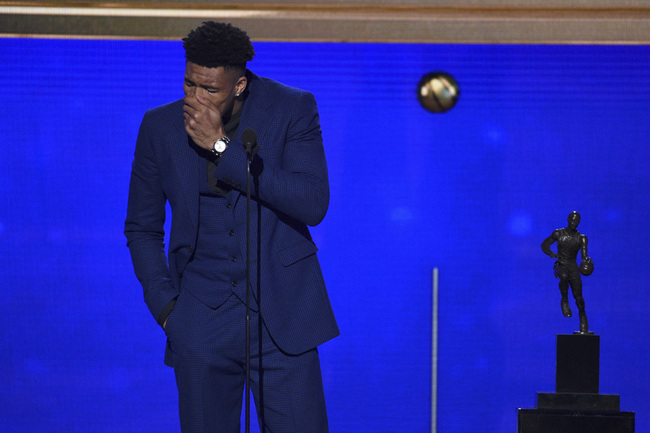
<point x="218" y="44"/>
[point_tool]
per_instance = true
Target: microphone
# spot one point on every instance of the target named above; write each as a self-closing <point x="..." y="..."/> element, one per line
<point x="249" y="138"/>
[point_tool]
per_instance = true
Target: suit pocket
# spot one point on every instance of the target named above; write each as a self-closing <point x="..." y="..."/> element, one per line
<point x="171" y="317"/>
<point x="295" y="253"/>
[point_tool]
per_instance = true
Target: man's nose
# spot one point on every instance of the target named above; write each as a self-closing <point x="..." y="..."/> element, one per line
<point x="200" y="92"/>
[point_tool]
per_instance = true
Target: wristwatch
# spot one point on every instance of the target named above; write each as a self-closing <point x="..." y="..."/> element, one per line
<point x="220" y="146"/>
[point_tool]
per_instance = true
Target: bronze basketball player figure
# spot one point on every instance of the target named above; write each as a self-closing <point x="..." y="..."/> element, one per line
<point x="569" y="242"/>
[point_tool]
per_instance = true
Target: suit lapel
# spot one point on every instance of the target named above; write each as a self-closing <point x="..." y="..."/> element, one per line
<point x="185" y="161"/>
<point x="254" y="114"/>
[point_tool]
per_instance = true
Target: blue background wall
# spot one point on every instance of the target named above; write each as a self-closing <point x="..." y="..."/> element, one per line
<point x="539" y="131"/>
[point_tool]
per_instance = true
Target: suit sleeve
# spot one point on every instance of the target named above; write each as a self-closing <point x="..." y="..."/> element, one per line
<point x="144" y="226"/>
<point x="298" y="186"/>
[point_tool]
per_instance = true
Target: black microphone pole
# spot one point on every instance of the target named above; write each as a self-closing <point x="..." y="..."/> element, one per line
<point x="249" y="138"/>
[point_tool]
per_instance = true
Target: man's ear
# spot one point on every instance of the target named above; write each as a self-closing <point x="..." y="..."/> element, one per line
<point x="241" y="84"/>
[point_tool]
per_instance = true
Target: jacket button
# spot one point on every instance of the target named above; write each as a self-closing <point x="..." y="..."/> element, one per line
<point x="231" y="233"/>
<point x="234" y="283"/>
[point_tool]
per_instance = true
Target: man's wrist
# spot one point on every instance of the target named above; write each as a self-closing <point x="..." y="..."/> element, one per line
<point x="220" y="145"/>
<point x="162" y="318"/>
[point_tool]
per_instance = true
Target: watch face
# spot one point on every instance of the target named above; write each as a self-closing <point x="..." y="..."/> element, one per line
<point x="219" y="146"/>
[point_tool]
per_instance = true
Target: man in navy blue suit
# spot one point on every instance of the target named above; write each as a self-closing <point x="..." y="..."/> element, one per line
<point x="190" y="153"/>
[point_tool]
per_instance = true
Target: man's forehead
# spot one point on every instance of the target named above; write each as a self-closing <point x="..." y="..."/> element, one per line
<point x="197" y="72"/>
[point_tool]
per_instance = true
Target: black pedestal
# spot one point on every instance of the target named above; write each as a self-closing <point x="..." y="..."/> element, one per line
<point x="549" y="421"/>
<point x="576" y="406"/>
<point x="578" y="401"/>
<point x="578" y="363"/>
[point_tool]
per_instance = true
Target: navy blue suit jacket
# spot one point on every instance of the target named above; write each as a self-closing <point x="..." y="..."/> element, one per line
<point x="293" y="193"/>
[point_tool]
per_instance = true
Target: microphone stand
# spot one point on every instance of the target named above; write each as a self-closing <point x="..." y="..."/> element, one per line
<point x="250" y="140"/>
<point x="248" y="290"/>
